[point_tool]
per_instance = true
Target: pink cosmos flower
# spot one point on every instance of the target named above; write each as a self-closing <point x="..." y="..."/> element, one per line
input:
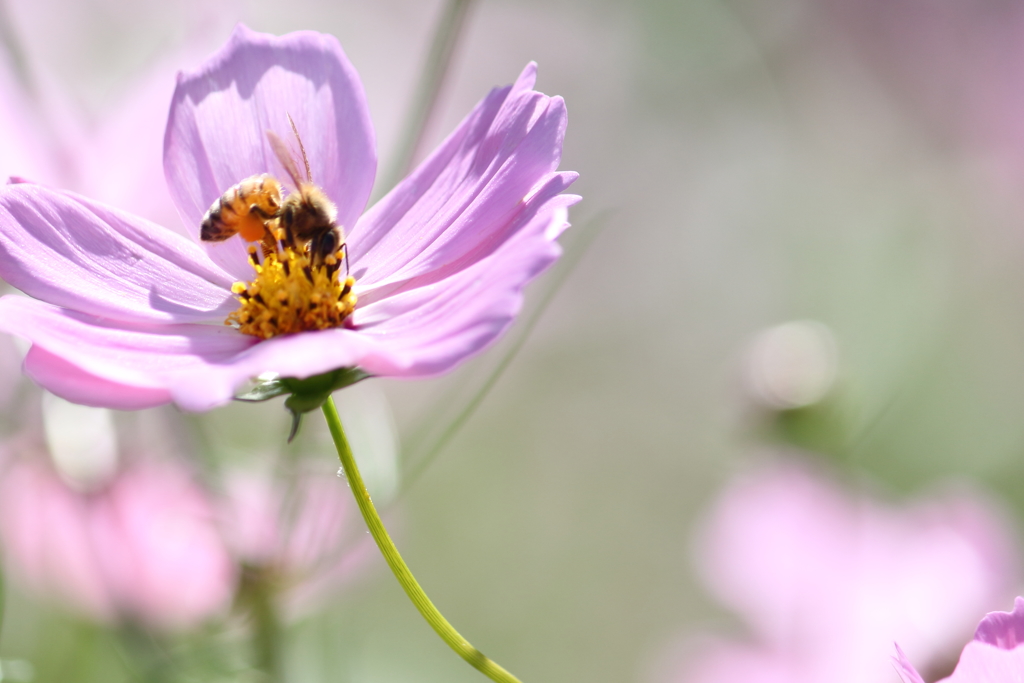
<point x="827" y="581"/>
<point x="125" y="314"/>
<point x="144" y="548"/>
<point x="152" y="546"/>
<point x="995" y="655"/>
<point x="300" y="539"/>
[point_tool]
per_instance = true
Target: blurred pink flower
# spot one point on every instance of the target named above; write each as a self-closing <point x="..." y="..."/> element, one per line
<point x="303" y="537"/>
<point x="153" y="546"/>
<point x="995" y="655"/>
<point x="32" y="152"/>
<point x="144" y="548"/>
<point x="123" y="307"/>
<point x="116" y="161"/>
<point x="827" y="581"/>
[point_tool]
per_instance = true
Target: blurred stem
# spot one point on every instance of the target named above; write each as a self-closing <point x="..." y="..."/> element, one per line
<point x="434" y="71"/>
<point x="10" y="42"/>
<point x="401" y="571"/>
<point x="588" y="232"/>
<point x="147" y="662"/>
<point x="3" y="602"/>
<point x="266" y="634"/>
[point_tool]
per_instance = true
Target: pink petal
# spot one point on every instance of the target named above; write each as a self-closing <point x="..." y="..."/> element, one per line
<point x="147" y="358"/>
<point x="293" y="530"/>
<point x="143" y="548"/>
<point x="428" y="330"/>
<point x="216" y="132"/>
<point x="303" y="533"/>
<point x="199" y="367"/>
<point x="120" y="162"/>
<point x="296" y="355"/>
<point x="783" y="543"/>
<point x="249" y="513"/>
<point x="317" y="525"/>
<point x="1003" y="629"/>
<point x="73" y="252"/>
<point x="462" y="203"/>
<point x="984" y="663"/>
<point x="74" y="384"/>
<point x="160" y="550"/>
<point x="905" y="669"/>
<point x="43" y="526"/>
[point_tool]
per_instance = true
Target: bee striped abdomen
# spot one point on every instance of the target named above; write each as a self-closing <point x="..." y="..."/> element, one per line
<point x="245" y="209"/>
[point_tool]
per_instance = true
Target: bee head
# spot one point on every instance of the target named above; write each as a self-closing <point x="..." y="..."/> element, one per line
<point x="308" y="213"/>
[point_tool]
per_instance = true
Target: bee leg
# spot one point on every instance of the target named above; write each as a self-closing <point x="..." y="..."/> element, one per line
<point x="268" y="244"/>
<point x="324" y="245"/>
<point x="287" y="221"/>
<point x="258" y="210"/>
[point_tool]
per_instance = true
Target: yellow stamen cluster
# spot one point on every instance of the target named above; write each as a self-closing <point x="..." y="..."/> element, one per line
<point x="289" y="294"/>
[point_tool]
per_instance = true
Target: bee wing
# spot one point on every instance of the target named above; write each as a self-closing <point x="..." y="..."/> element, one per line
<point x="285" y="157"/>
<point x="302" y="148"/>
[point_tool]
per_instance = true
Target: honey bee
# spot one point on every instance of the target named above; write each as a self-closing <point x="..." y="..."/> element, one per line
<point x="255" y="209"/>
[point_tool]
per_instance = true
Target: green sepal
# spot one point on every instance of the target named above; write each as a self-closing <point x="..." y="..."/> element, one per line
<point x="310" y="393"/>
<point x="305" y="394"/>
<point x="263" y="391"/>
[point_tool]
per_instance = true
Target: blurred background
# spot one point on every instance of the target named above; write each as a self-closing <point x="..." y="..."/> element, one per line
<point x="800" y="250"/>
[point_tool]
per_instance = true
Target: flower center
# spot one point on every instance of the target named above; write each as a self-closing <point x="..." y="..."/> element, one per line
<point x="293" y="291"/>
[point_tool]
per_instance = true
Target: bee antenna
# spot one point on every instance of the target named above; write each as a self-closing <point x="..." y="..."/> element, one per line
<point x="302" y="148"/>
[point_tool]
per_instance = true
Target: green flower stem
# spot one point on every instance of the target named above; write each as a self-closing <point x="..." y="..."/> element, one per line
<point x="387" y="548"/>
<point x="266" y="637"/>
